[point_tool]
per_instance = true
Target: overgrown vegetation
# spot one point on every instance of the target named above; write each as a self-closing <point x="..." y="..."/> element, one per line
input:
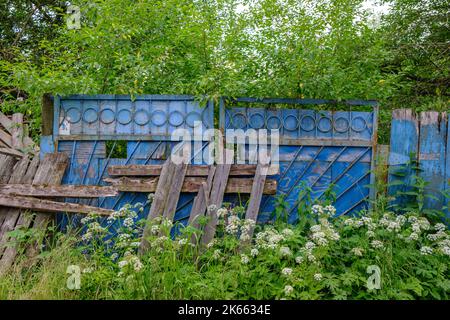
<point x="279" y="48"/>
<point x="320" y="257"/>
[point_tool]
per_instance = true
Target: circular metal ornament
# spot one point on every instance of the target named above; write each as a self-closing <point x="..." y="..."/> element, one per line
<point x="159" y="118"/>
<point x="291" y="122"/>
<point x="256" y="120"/>
<point x="193" y="117"/>
<point x="107" y="116"/>
<point x="141" y="117"/>
<point x="359" y="124"/>
<point x="73" y="115"/>
<point x="124" y="116"/>
<point x="176" y="118"/>
<point x="239" y="120"/>
<point x="273" y="123"/>
<point x="341" y="124"/>
<point x="324" y="124"/>
<point x="307" y="125"/>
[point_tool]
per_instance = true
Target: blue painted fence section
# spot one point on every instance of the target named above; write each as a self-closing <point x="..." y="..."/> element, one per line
<point x="318" y="148"/>
<point x="420" y="141"/>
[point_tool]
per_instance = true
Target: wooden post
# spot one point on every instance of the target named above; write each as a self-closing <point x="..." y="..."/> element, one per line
<point x="47" y="115"/>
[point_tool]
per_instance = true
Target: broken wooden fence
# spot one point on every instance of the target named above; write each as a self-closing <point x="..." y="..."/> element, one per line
<point x="424" y="140"/>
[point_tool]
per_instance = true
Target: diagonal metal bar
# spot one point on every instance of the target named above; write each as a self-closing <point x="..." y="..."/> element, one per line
<point x="303" y="172"/>
<point x="352" y="185"/>
<point x="355" y="205"/>
<point x="358" y="157"/>
<point x="318" y="178"/>
<point x="284" y="173"/>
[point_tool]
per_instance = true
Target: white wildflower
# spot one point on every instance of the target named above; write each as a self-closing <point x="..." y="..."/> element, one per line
<point x="370" y="234"/>
<point x="222" y="212"/>
<point x="123" y="263"/>
<point x="357" y="251"/>
<point x="216" y="254"/>
<point x="288" y="290"/>
<point x="440" y="227"/>
<point x="376" y="244"/>
<point x="330" y="210"/>
<point x="318" y="277"/>
<point x="254" y="252"/>
<point x="285" y="252"/>
<point x="426" y="250"/>
<point x="286" y="271"/>
<point x="287" y="232"/>
<point x="317" y="209"/>
<point x="244" y="259"/>
<point x="128" y="222"/>
<point x="182" y="242"/>
<point x="299" y="259"/>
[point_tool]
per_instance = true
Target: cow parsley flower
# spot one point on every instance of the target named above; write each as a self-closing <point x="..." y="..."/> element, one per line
<point x="440" y="227"/>
<point x="288" y="290"/>
<point x="216" y="254"/>
<point x="426" y="250"/>
<point x="285" y="252"/>
<point x="128" y="222"/>
<point x="254" y="252"/>
<point x="376" y="244"/>
<point x="123" y="263"/>
<point x="317" y="209"/>
<point x="244" y="259"/>
<point x="299" y="259"/>
<point x="222" y="212"/>
<point x="318" y="276"/>
<point x="286" y="271"/>
<point x="357" y="251"/>
<point x="330" y="210"/>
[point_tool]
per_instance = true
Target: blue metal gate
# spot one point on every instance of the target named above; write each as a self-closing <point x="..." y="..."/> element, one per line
<point x="319" y="150"/>
<point x="317" y="147"/>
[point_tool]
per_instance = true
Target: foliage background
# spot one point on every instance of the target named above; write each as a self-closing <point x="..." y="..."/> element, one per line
<point x="332" y="49"/>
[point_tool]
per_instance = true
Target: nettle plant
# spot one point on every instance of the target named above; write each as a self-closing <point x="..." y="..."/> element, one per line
<point x="326" y="258"/>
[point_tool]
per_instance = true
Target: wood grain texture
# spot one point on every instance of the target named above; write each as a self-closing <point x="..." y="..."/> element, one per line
<point x="216" y="197"/>
<point x="69" y="191"/>
<point x="404" y="148"/>
<point x="8" y="125"/>
<point x="190" y="185"/>
<point x="17" y="131"/>
<point x="158" y="203"/>
<point x="178" y="174"/>
<point x="256" y="196"/>
<point x="50" y="172"/>
<point x="192" y="170"/>
<point x="5" y="138"/>
<point x="11" y="152"/>
<point x="43" y="205"/>
<point x="201" y="202"/>
<point x="432" y="145"/>
<point x="16" y="219"/>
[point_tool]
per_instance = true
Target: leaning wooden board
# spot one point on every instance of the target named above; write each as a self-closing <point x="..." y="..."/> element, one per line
<point x="15" y="219"/>
<point x="50" y="172"/>
<point x="65" y="191"/>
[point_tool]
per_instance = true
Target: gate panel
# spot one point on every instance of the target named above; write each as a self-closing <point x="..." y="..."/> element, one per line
<point x="319" y="150"/>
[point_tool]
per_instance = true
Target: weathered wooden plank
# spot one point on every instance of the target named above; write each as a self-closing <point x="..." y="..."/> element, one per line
<point x="201" y="202"/>
<point x="432" y="144"/>
<point x="179" y="172"/>
<point x="19" y="170"/>
<point x="16" y="218"/>
<point x="50" y="172"/>
<point x="216" y="197"/>
<point x="66" y="191"/>
<point x="192" y="170"/>
<point x="11" y="152"/>
<point x="8" y="125"/>
<point x="190" y="184"/>
<point x="5" y="138"/>
<point x="17" y="131"/>
<point x="43" y="205"/>
<point x="7" y="164"/>
<point x="158" y="203"/>
<point x="404" y="146"/>
<point x="255" y="197"/>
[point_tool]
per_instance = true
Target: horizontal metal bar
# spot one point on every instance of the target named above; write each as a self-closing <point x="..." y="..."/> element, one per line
<point x="129" y="137"/>
<point x="325" y="142"/>
<point x="128" y="97"/>
<point x="283" y="141"/>
<point x="302" y="101"/>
